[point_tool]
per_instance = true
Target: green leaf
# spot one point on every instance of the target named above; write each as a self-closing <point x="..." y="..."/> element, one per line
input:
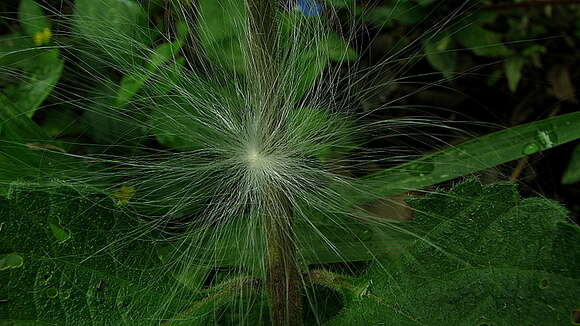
<point x="60" y="122"/>
<point x="136" y="79"/>
<point x="88" y="279"/>
<point x="118" y="28"/>
<point x="177" y="126"/>
<point x="16" y="50"/>
<point x="221" y="29"/>
<point x="40" y="163"/>
<point x="572" y="173"/>
<point x="321" y="133"/>
<point x="482" y="42"/>
<point x="472" y="156"/>
<point x="32" y="18"/>
<point x="491" y="259"/>
<point x="38" y="82"/>
<point x="439" y="53"/>
<point x="402" y="11"/>
<point x="337" y="49"/>
<point x="513" y="71"/>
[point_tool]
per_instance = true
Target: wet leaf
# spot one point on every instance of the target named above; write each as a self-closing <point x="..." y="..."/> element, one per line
<point x="492" y="258"/>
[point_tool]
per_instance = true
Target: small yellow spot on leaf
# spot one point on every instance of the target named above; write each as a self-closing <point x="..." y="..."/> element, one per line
<point x="42" y="37"/>
<point x="124" y="195"/>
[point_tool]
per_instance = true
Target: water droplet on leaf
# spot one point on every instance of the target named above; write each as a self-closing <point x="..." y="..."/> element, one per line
<point x="10" y="261"/>
<point x="544" y="284"/>
<point x="530" y="148"/>
<point x="61" y="234"/>
<point x="65" y="294"/>
<point x="421" y="169"/>
<point x="51" y="292"/>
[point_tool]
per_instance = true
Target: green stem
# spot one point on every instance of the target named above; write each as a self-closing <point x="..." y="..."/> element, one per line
<point x="282" y="274"/>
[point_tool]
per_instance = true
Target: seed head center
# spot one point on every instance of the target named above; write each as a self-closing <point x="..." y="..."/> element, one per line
<point x="255" y="159"/>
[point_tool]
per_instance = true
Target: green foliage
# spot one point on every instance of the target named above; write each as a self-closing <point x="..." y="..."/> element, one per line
<point x="115" y="28"/>
<point x="482" y="42"/>
<point x="118" y="202"/>
<point x="474" y="155"/>
<point x="35" y="72"/>
<point x="491" y="258"/>
<point x="221" y="31"/>
<point x="513" y="71"/>
<point x="133" y="81"/>
<point x="440" y="54"/>
<point x="53" y="275"/>
<point x="408" y="12"/>
<point x="32" y="17"/>
<point x="486" y="249"/>
<point x="39" y="75"/>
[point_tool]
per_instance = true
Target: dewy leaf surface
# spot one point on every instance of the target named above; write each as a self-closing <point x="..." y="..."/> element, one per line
<point x="490" y="259"/>
<point x="86" y="277"/>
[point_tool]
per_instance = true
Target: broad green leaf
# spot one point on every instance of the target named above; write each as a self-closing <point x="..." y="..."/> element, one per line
<point x="492" y="259"/>
<point x="37" y="162"/>
<point x="32" y="18"/>
<point x="103" y="273"/>
<point x="16" y="50"/>
<point x="320" y="133"/>
<point x="108" y="122"/>
<point x="14" y="125"/>
<point x="177" y="126"/>
<point x="572" y="172"/>
<point x="36" y="83"/>
<point x="115" y="28"/>
<point x="307" y="53"/>
<point x="35" y="73"/>
<point x="482" y="42"/>
<point x="170" y="79"/>
<point x="513" y="71"/>
<point x="184" y="124"/>
<point x="221" y="28"/>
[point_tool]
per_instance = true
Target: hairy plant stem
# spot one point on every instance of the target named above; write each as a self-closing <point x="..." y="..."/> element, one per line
<point x="282" y="274"/>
